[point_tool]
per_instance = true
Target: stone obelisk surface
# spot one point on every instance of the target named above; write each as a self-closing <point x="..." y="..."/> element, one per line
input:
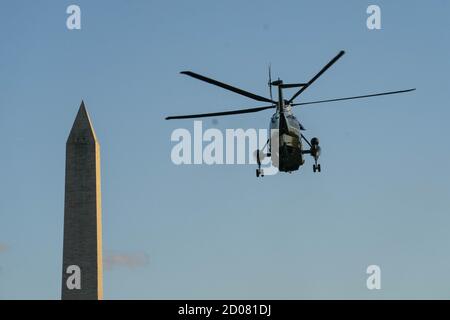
<point x="82" y="274"/>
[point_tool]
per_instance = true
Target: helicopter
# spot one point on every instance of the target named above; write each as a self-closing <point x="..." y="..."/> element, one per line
<point x="290" y="153"/>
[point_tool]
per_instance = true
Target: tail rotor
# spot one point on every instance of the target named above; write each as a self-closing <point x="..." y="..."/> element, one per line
<point x="270" y="81"/>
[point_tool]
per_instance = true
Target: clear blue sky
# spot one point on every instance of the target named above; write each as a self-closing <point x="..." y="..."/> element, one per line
<point x="217" y="231"/>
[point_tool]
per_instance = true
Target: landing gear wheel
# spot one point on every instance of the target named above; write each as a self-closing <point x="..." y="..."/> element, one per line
<point x="259" y="172"/>
<point x="314" y="168"/>
<point x="318" y="167"/>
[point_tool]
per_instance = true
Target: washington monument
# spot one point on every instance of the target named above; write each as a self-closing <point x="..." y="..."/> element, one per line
<point x="82" y="274"/>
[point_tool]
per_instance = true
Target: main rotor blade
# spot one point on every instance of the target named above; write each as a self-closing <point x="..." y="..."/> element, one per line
<point x="292" y="85"/>
<point x="223" y="113"/>
<point x="356" y="97"/>
<point x="306" y="140"/>
<point x="227" y="86"/>
<point x="328" y="65"/>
